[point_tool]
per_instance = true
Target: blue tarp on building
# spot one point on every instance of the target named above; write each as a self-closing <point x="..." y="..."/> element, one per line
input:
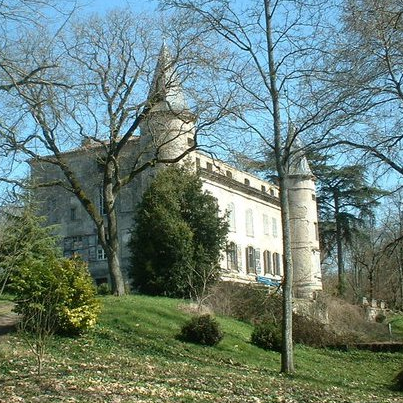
<point x="267" y="281"/>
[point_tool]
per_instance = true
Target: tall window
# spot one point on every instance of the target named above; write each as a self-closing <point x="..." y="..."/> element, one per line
<point x="231" y="217"/>
<point x="274" y="227"/>
<point x="249" y="222"/>
<point x="52" y="210"/>
<point x="267" y="262"/>
<point x="266" y="226"/>
<point x="277" y="263"/>
<point x="250" y="260"/>
<point x="232" y="256"/>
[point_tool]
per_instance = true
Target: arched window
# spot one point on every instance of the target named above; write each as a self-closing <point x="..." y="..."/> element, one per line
<point x="250" y="260"/>
<point x="267" y="262"/>
<point x="249" y="222"/>
<point x="231" y="217"/>
<point x="232" y="256"/>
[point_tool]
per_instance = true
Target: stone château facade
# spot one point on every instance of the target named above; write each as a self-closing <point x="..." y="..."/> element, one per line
<point x="254" y="248"/>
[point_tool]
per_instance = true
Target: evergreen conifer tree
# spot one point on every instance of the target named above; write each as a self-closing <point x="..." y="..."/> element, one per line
<point x="346" y="204"/>
<point x="178" y="237"/>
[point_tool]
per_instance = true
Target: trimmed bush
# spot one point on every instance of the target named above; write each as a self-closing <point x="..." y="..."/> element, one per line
<point x="267" y="335"/>
<point x="203" y="330"/>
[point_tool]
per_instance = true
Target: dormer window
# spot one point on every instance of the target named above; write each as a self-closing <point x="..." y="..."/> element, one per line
<point x="247" y="182"/>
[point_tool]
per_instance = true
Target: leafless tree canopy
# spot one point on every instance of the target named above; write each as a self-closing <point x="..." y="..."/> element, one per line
<point x="363" y="75"/>
<point x="90" y="84"/>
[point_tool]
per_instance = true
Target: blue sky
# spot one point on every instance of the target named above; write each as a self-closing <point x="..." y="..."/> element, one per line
<point x="105" y="5"/>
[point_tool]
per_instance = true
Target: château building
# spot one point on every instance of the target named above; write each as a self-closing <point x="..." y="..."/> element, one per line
<point x="254" y="249"/>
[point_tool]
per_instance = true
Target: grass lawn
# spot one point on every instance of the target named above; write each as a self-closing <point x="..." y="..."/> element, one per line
<point x="133" y="356"/>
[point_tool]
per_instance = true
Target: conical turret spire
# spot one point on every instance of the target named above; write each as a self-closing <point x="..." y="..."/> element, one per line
<point x="298" y="163"/>
<point x="166" y="92"/>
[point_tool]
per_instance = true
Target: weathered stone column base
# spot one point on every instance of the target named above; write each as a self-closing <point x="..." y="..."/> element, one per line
<point x="314" y="309"/>
<point x="307" y="290"/>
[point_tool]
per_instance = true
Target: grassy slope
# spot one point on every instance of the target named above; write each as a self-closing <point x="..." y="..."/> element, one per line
<point x="133" y="356"/>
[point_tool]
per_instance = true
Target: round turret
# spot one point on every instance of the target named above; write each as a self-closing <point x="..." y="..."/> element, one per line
<point x="168" y="129"/>
<point x="304" y="227"/>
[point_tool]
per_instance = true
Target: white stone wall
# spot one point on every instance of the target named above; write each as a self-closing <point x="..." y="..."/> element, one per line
<point x="255" y="204"/>
<point x="247" y="200"/>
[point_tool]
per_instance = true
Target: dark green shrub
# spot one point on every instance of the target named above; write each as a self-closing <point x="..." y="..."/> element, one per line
<point x="104" y="289"/>
<point x="380" y="318"/>
<point x="267" y="335"/>
<point x="398" y="381"/>
<point x="203" y="330"/>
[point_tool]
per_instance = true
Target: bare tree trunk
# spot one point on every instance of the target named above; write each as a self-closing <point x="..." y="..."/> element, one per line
<point x="112" y="244"/>
<point x="371" y="284"/>
<point x="287" y="355"/>
<point x="118" y="284"/>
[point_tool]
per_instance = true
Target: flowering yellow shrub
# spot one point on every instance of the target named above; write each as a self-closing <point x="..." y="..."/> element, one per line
<point x="63" y="285"/>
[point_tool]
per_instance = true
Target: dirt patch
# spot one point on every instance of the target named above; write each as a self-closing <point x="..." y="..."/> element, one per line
<point x="8" y="319"/>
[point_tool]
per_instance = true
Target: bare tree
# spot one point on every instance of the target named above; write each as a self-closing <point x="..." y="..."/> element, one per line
<point x="38" y="325"/>
<point x="95" y="98"/>
<point x="367" y="257"/>
<point x="364" y="75"/>
<point x="274" y="46"/>
<point x="15" y="17"/>
<point x="391" y="278"/>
